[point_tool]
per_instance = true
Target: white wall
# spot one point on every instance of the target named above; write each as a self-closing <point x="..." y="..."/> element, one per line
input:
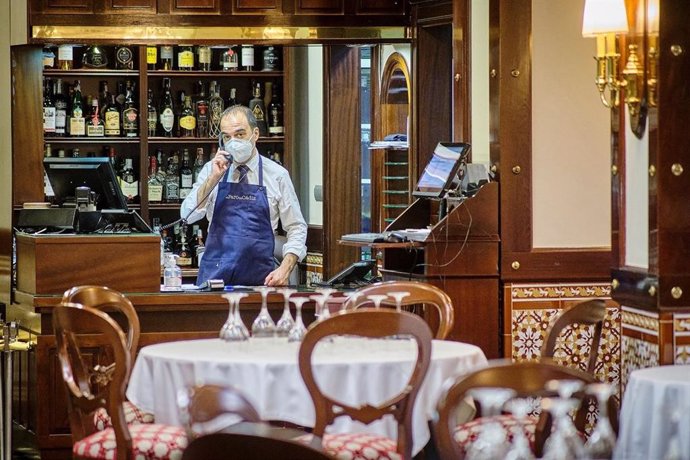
<point x="636" y="198"/>
<point x="570" y="133"/>
<point x="480" y="81"/>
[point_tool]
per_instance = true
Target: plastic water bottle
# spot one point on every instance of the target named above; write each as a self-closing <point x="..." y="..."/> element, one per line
<point x="172" y="274"/>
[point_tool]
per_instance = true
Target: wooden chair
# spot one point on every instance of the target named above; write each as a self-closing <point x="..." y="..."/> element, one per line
<point x="249" y="447"/>
<point x="207" y="403"/>
<point x="367" y="323"/>
<point x="590" y="312"/>
<point x="528" y="379"/>
<point x="92" y="387"/>
<point x="109" y="300"/>
<point x="420" y="293"/>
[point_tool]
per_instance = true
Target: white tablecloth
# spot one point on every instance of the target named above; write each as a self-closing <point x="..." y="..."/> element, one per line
<point x="356" y="370"/>
<point x="650" y="399"/>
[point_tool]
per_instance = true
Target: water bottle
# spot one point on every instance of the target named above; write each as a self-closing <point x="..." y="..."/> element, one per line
<point x="172" y="274"/>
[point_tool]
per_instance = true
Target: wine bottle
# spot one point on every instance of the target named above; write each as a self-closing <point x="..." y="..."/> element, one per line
<point x="130" y="114"/>
<point x="95" y="126"/>
<point x="216" y="107"/>
<point x="77" y="125"/>
<point x="185" y="58"/>
<point x="256" y="105"/>
<point x="60" y="108"/>
<point x="103" y="97"/>
<point x="204" y="58"/>
<point x="65" y="57"/>
<point x="111" y="117"/>
<point x="186" y="176"/>
<point x="48" y="108"/>
<point x="128" y="182"/>
<point x="232" y="99"/>
<point x="201" y="111"/>
<point x="248" y="57"/>
<point x="184" y="258"/>
<point x="167" y="110"/>
<point x="151" y="57"/>
<point x="187" y="119"/>
<point x="271" y="59"/>
<point x="155" y="185"/>
<point x="275" y="113"/>
<point x="151" y="114"/>
<point x="167" y="57"/>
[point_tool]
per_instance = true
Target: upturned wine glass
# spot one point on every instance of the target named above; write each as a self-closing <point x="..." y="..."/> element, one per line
<point x="263" y="325"/>
<point x="399" y="296"/>
<point x="519" y="449"/>
<point x="285" y="322"/>
<point x="322" y="311"/>
<point x="565" y="442"/>
<point x="354" y="295"/>
<point x="602" y="441"/>
<point x="234" y="329"/>
<point x="492" y="442"/>
<point x="377" y="299"/>
<point x="298" y="330"/>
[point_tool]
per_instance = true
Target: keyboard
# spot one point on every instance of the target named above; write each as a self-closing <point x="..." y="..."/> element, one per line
<point x="364" y="237"/>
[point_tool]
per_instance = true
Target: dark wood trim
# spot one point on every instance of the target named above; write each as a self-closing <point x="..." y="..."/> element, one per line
<point x="632" y="288"/>
<point x="556" y="264"/>
<point x="462" y="72"/>
<point x="315" y="238"/>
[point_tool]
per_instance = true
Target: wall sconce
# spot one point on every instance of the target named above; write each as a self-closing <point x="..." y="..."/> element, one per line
<point x="603" y="19"/>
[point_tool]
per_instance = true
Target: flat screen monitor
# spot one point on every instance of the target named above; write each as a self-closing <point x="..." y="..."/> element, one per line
<point x="441" y="170"/>
<point x="97" y="173"/>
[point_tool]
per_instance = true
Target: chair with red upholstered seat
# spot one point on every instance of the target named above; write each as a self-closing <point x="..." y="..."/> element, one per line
<point x="249" y="447"/>
<point x="90" y="387"/>
<point x="420" y="294"/>
<point x="372" y="324"/>
<point x="109" y="300"/>
<point x="528" y="380"/>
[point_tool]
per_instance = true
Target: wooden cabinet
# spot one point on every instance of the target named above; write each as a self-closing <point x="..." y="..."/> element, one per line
<point x="319" y="6"/>
<point x="257" y="6"/>
<point x="195" y="6"/>
<point x="394" y="7"/>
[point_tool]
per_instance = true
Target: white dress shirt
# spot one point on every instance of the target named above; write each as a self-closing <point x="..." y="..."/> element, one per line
<point x="282" y="201"/>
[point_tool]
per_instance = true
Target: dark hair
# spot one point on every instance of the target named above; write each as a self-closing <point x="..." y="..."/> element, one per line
<point x="246" y="111"/>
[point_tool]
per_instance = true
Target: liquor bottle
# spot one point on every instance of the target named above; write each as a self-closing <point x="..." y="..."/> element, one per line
<point x="232" y="99"/>
<point x="95" y="126"/>
<point x="271" y="59"/>
<point x="94" y="58"/>
<point x="198" y="164"/>
<point x="161" y="168"/>
<point x="186" y="176"/>
<point x="167" y="57"/>
<point x="151" y="114"/>
<point x="154" y="181"/>
<point x="181" y="97"/>
<point x="75" y="152"/>
<point x="216" y="107"/>
<point x="65" y="57"/>
<point x="184" y="258"/>
<point x="204" y="58"/>
<point x="248" y="57"/>
<point x="77" y="125"/>
<point x="200" y="247"/>
<point x="114" y="160"/>
<point x="121" y="94"/>
<point x="167" y="110"/>
<point x="111" y="117"/>
<point x="275" y="113"/>
<point x="130" y="114"/>
<point x="201" y="111"/>
<point x="151" y="57"/>
<point x="48" y="58"/>
<point x="48" y="108"/>
<point x="276" y="158"/>
<point x="229" y="60"/>
<point x="185" y="58"/>
<point x="124" y="58"/>
<point x="103" y="97"/>
<point x="187" y="119"/>
<point x="128" y="182"/>
<point x="256" y="105"/>
<point x="172" y="182"/>
<point x="60" y="108"/>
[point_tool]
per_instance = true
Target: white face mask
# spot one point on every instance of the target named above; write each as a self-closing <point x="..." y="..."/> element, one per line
<point x="240" y="149"/>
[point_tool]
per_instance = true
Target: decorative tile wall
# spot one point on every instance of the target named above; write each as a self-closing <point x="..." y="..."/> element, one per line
<point x="313" y="268"/>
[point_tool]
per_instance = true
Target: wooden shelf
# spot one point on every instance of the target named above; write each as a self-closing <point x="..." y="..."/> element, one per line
<point x="205" y="140"/>
<point x="214" y="73"/>
<point x="90" y="73"/>
<point x="92" y="140"/>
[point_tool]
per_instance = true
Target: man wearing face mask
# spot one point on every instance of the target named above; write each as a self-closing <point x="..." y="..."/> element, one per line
<point x="243" y="195"/>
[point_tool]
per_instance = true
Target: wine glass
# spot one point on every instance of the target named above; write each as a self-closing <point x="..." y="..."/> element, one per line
<point x="285" y="322"/>
<point x="352" y="298"/>
<point x="491" y="442"/>
<point x="399" y="296"/>
<point x="519" y="449"/>
<point x="566" y="388"/>
<point x="602" y="441"/>
<point x="377" y="299"/>
<point x="298" y="330"/>
<point x="234" y="329"/>
<point x="263" y="325"/>
<point x="565" y="442"/>
<point x="322" y="311"/>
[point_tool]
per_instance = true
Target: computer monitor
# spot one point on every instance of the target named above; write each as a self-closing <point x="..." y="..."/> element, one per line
<point x="441" y="170"/>
<point x="97" y="173"/>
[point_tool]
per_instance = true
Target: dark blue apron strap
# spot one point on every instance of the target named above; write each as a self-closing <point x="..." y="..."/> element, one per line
<point x="261" y="170"/>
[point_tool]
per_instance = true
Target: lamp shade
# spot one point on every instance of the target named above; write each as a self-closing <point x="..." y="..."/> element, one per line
<point x="603" y="17"/>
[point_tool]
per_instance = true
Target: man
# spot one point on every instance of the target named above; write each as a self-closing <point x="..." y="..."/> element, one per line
<point x="243" y="195"/>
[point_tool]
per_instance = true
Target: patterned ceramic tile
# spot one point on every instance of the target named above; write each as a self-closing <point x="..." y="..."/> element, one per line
<point x="314" y="267"/>
<point x="682" y="354"/>
<point x="529" y="332"/>
<point x="559" y="291"/>
<point x="637" y="354"/>
<point x="640" y="320"/>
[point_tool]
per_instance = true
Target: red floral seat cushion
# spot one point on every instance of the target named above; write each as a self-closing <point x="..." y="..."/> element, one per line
<point x="133" y="416"/>
<point x="358" y="446"/>
<point x="466" y="433"/>
<point x="149" y="441"/>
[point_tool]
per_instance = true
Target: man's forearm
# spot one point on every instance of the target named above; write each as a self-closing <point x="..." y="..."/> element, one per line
<point x="289" y="262"/>
<point x="205" y="191"/>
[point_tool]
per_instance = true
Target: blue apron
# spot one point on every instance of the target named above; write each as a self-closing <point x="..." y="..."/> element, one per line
<point x="239" y="246"/>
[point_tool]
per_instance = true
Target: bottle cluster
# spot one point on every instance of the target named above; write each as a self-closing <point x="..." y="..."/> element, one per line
<point x="171" y="176"/>
<point x="184" y="242"/>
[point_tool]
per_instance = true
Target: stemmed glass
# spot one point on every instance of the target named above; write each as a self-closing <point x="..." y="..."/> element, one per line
<point x="602" y="441"/>
<point x="285" y="322"/>
<point x="234" y="329"/>
<point x="322" y="311"/>
<point x="399" y="296"/>
<point x="263" y="325"/>
<point x="491" y="443"/>
<point x="354" y="295"/>
<point x="298" y="330"/>
<point x="377" y="299"/>
<point x="565" y="442"/>
<point x="519" y="449"/>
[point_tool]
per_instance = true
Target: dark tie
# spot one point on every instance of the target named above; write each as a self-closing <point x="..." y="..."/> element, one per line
<point x="243" y="171"/>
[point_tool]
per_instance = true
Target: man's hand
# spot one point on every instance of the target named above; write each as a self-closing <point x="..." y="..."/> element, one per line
<point x="219" y="164"/>
<point x="279" y="276"/>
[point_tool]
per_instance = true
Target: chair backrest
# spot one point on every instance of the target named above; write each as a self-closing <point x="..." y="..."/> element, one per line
<point x="91" y="387"/>
<point x="527" y="379"/>
<point x="590" y="312"/>
<point x="209" y="402"/>
<point x="372" y="324"/>
<point x="249" y="447"/>
<point x="106" y="299"/>
<point x="420" y="293"/>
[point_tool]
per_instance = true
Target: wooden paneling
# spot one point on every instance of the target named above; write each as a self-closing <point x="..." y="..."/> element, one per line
<point x="64" y="6"/>
<point x="257" y="6"/>
<point x="131" y="6"/>
<point x="319" y="6"/>
<point x="462" y="104"/>
<point x="396" y="7"/>
<point x="195" y="6"/>
<point x="341" y="157"/>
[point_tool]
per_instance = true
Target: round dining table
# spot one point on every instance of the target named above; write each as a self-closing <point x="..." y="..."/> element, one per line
<point x="352" y="369"/>
<point x="655" y="420"/>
